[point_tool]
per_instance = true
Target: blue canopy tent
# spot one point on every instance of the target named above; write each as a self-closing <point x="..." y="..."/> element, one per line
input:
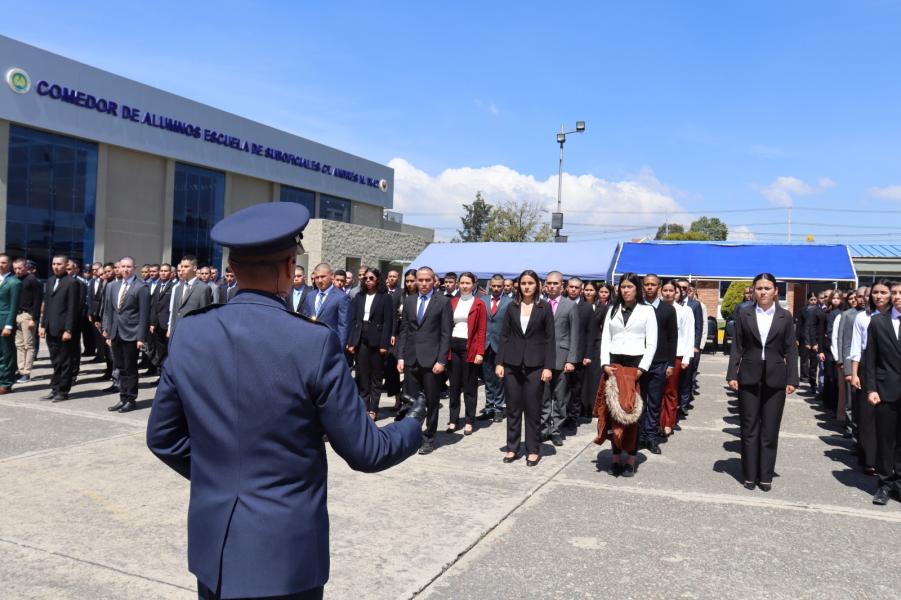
<point x="730" y="261"/>
<point x="589" y="260"/>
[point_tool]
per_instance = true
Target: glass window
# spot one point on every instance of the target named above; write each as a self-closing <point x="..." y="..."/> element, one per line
<point x="199" y="204"/>
<point x="52" y="190"/>
<point x="335" y="209"/>
<point x="299" y="196"/>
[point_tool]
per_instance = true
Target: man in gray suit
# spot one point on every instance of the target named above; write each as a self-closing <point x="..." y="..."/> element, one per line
<point x="125" y="326"/>
<point x="496" y="303"/>
<point x="189" y="294"/>
<point x="567" y="333"/>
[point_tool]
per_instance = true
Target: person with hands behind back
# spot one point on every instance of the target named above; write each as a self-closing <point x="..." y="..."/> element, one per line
<point x="526" y="355"/>
<point x="763" y="369"/>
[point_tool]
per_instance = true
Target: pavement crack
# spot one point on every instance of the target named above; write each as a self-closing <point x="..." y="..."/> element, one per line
<point x="95" y="564"/>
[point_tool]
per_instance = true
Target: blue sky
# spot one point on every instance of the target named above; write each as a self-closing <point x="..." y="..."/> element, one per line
<point x="692" y="107"/>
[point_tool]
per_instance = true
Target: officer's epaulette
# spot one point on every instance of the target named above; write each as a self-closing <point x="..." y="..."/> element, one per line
<point x="203" y="309"/>
<point x="307" y="319"/>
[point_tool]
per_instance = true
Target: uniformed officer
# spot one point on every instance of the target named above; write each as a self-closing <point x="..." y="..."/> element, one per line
<point x="249" y="433"/>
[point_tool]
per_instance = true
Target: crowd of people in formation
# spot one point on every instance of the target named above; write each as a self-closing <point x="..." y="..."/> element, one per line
<point x="850" y="358"/>
<point x="552" y="353"/>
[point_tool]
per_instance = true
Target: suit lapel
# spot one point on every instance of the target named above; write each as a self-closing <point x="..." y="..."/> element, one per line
<point x="186" y="293"/>
<point x="751" y="324"/>
<point x="776" y="327"/>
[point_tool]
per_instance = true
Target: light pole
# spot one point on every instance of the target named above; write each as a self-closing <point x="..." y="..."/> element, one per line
<point x="557" y="217"/>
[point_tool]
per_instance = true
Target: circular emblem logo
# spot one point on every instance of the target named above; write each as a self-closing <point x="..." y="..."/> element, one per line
<point x="383" y="185"/>
<point x="18" y="81"/>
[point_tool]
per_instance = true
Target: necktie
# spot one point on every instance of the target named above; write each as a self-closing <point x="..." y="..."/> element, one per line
<point x="554" y="306"/>
<point x="493" y="306"/>
<point x="420" y="312"/>
<point x="319" y="300"/>
<point x="122" y="292"/>
<point x="899" y="328"/>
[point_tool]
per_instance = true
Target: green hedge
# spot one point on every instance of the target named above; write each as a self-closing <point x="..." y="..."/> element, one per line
<point x="734" y="296"/>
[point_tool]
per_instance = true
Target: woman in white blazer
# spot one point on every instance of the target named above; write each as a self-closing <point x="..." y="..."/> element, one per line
<point x="685" y="318"/>
<point x="629" y="341"/>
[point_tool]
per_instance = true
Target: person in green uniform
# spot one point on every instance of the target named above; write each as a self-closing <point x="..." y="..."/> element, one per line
<point x="10" y="288"/>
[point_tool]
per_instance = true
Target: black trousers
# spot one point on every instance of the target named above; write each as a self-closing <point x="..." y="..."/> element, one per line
<point x="125" y="357"/>
<point x="100" y="346"/>
<point x="463" y="378"/>
<point x="370" y="370"/>
<point x="830" y="384"/>
<point x="810" y="363"/>
<point x="421" y="379"/>
<point x="888" y="444"/>
<point x="392" y="377"/>
<point x="160" y="346"/>
<point x="590" y="385"/>
<point x="523" y="391"/>
<point x="652" y="385"/>
<point x="574" y="382"/>
<point x="205" y="593"/>
<point x="64" y="356"/>
<point x="88" y="339"/>
<point x="760" y="409"/>
<point x="866" y="428"/>
<point x="686" y="382"/>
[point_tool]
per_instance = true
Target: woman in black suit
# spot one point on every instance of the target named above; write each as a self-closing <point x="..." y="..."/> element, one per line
<point x="763" y="368"/>
<point x="591" y="342"/>
<point x="525" y="357"/>
<point x="370" y="337"/>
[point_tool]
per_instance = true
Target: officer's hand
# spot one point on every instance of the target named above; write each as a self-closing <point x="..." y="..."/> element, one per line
<point x="569" y="367"/>
<point x="7" y="332"/>
<point x="140" y="345"/>
<point x="66" y="337"/>
<point x="400" y="366"/>
<point x="412" y="408"/>
<point x="42" y="332"/>
<point x="873" y="398"/>
<point x="438" y="369"/>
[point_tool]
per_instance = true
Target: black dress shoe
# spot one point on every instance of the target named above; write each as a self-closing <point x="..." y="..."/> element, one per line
<point x="129" y="406"/>
<point x="615" y="469"/>
<point x="485" y="415"/>
<point x="628" y="470"/>
<point x="426" y="449"/>
<point x="532" y="463"/>
<point x="765" y="487"/>
<point x="110" y="389"/>
<point x="510" y="459"/>
<point x="60" y="398"/>
<point x="49" y="396"/>
<point x="682" y="414"/>
<point x="654" y="448"/>
<point x="881" y="496"/>
<point x="556" y="440"/>
<point x="498" y="416"/>
<point x="749" y="485"/>
<point x="116" y="406"/>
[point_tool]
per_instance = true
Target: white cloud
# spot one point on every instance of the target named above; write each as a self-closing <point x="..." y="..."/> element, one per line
<point x="740" y="233"/>
<point x="891" y="192"/>
<point x="782" y="190"/>
<point x="493" y="109"/>
<point x="588" y="201"/>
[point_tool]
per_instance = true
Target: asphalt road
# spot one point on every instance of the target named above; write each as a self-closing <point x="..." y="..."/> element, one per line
<point x="88" y="512"/>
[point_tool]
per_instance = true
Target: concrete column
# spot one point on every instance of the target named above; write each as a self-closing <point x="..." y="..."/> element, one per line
<point x="168" y="211"/>
<point x="4" y="173"/>
<point x="276" y="192"/>
<point x="100" y="203"/>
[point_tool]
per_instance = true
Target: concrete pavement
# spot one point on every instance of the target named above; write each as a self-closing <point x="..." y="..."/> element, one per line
<point x="89" y="513"/>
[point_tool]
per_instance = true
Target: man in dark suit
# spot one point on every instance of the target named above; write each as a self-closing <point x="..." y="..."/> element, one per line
<point x="329" y="304"/>
<point x="807" y="341"/>
<point x="299" y="291"/>
<point x="190" y="294"/>
<point x="575" y="380"/>
<point x="125" y="327"/>
<point x="59" y="326"/>
<point x="883" y="381"/>
<point x="423" y="346"/>
<point x="160" y="300"/>
<point x="496" y="303"/>
<point x="687" y="377"/>
<point x="94" y="302"/>
<point x="228" y="289"/>
<point x="661" y="367"/>
<point x="257" y="520"/>
<point x="568" y="340"/>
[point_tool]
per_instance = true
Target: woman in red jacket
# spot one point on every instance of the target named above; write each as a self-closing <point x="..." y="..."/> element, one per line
<point x="467" y="350"/>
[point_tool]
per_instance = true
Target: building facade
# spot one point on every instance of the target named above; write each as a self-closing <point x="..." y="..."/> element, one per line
<point x="97" y="166"/>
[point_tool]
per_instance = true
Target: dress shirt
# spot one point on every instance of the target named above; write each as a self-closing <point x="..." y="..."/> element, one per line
<point x="296" y="296"/>
<point x="655" y="303"/>
<point x="834" y="339"/>
<point x="172" y="308"/>
<point x="524" y="321"/>
<point x="553" y="302"/>
<point x="461" y="317"/>
<point x="859" y="336"/>
<point x="425" y="305"/>
<point x="367" y="306"/>
<point x="764" y="322"/>
<point x="895" y="322"/>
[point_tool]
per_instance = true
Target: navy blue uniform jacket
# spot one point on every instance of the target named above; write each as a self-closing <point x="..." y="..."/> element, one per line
<point x="245" y="425"/>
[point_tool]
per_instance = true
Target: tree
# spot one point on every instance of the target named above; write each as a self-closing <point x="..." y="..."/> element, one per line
<point x="475" y="221"/>
<point x="691" y="236"/>
<point x="734" y="296"/>
<point x="518" y="221"/>
<point x="668" y="229"/>
<point x="711" y="226"/>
